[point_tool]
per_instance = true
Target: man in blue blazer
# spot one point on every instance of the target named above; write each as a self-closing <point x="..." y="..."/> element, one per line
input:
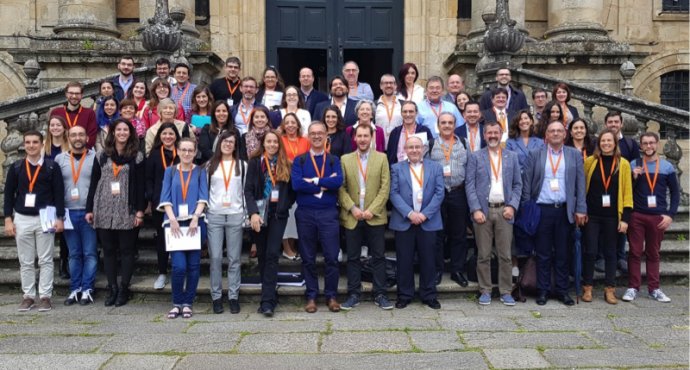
<point x="554" y="177"/>
<point x="473" y="131"/>
<point x="339" y="97"/>
<point x="241" y="112"/>
<point x="312" y="97"/>
<point x="494" y="187"/>
<point x="397" y="138"/>
<point x="417" y="191"/>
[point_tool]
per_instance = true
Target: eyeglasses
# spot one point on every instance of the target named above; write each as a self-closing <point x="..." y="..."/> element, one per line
<point x="388" y="83"/>
<point x="314" y="134"/>
<point x="648" y="143"/>
<point x="74" y="93"/>
<point x="351" y="70"/>
<point x="504" y="74"/>
<point x="186" y="151"/>
<point x="162" y="88"/>
<point x="291" y="95"/>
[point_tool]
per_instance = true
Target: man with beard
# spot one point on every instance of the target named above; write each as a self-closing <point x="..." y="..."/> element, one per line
<point x="77" y="115"/>
<point x="388" y="107"/>
<point x="339" y="98"/>
<point x="396" y="148"/>
<point x="242" y="111"/>
<point x="516" y="98"/>
<point x="122" y="82"/>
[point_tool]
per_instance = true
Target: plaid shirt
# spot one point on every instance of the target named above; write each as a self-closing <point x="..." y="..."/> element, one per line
<point x="183" y="96"/>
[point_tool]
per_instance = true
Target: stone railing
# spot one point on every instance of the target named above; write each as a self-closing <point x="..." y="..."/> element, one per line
<point x="31" y="112"/>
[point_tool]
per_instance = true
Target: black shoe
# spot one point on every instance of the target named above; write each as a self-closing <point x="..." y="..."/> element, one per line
<point x="234" y="306"/>
<point x="565" y="298"/>
<point x="432" y="303"/>
<point x="217" y="306"/>
<point x="266" y="310"/>
<point x="64" y="269"/>
<point x="439" y="277"/>
<point x="113" y="296"/>
<point x="402" y="303"/>
<point x="73" y="298"/>
<point x="122" y="296"/>
<point x="458" y="278"/>
<point x="542" y="299"/>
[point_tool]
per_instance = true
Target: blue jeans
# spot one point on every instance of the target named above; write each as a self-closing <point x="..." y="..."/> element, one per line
<point x="83" y="258"/>
<point x="186" y="263"/>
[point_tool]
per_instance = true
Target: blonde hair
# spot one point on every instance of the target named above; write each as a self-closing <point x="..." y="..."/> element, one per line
<point x="48" y="145"/>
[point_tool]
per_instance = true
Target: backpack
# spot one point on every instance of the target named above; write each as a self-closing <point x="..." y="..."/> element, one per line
<point x="48" y="163"/>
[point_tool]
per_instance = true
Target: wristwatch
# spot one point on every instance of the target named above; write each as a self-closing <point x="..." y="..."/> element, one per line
<point x="197" y="215"/>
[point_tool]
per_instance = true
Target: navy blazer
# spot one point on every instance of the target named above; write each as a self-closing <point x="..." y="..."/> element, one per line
<point x="315" y="97"/>
<point x="490" y="115"/>
<point x="401" y="196"/>
<point x="518" y="146"/>
<point x="478" y="181"/>
<point x="350" y="116"/>
<point x="462" y="132"/>
<point x="573" y="111"/>
<point x="517" y="100"/>
<point x="533" y="178"/>
<point x="392" y="150"/>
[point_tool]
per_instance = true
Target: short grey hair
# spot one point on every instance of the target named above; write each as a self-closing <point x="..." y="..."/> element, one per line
<point x="488" y="124"/>
<point x="387" y="75"/>
<point x="365" y="101"/>
<point x="348" y="62"/>
<point x="165" y="102"/>
<point x="435" y="79"/>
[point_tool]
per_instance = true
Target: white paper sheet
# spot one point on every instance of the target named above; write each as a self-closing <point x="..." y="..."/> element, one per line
<point x="184" y="242"/>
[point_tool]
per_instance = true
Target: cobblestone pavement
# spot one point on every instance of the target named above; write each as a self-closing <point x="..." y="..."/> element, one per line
<point x="462" y="335"/>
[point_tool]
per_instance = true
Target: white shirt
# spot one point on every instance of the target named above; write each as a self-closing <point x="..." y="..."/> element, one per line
<point x="418" y="95"/>
<point x="235" y="190"/>
<point x="382" y="112"/>
<point x="342" y="107"/>
<point x="504" y="138"/>
<point x="496" y="193"/>
<point x="477" y="139"/>
<point x="416" y="169"/>
<point x="304" y="119"/>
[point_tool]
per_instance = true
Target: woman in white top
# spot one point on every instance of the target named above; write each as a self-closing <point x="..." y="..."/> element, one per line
<point x="293" y="102"/>
<point x="407" y="89"/>
<point x="225" y="217"/>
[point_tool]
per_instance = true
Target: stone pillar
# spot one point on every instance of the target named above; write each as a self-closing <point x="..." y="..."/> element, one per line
<point x="86" y="19"/>
<point x="576" y="21"/>
<point x="148" y="7"/>
<point x="479" y="7"/>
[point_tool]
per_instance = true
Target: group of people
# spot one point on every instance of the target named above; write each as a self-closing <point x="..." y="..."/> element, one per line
<point x="291" y="163"/>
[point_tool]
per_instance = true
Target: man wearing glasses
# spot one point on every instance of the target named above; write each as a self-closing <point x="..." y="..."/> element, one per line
<point x="554" y="178"/>
<point x="357" y="90"/>
<point x="516" y="98"/>
<point x="77" y="115"/>
<point x="388" y="107"/>
<point x="228" y="88"/>
<point x="242" y="110"/>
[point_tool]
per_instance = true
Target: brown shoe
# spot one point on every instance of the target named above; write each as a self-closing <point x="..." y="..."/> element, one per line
<point x="44" y="305"/>
<point x="333" y="305"/>
<point x="310" y="307"/>
<point x="610" y="298"/>
<point x="587" y="293"/>
<point x="27" y="304"/>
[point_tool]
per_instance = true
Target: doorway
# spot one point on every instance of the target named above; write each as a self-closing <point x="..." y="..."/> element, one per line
<point x="291" y="61"/>
<point x="373" y="63"/>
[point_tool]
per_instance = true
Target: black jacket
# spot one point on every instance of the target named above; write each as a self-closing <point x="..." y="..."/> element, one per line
<point x="155" y="173"/>
<point x="315" y="97"/>
<point x="394" y="139"/>
<point x="517" y="100"/>
<point x="340" y="143"/>
<point x="254" y="190"/>
<point x="206" y="140"/>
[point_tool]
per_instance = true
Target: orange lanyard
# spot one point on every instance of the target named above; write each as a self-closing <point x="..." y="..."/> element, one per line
<point x="656" y="173"/>
<point x="502" y="121"/>
<point x="389" y="112"/>
<point x="270" y="171"/>
<point x="565" y="114"/>
<point x="450" y="150"/>
<point x="603" y="177"/>
<point x="232" y="91"/>
<point x="163" y="157"/>
<point x="292" y="149"/>
<point x="75" y="175"/>
<point x="69" y="122"/>
<point x="32" y="181"/>
<point x="440" y="108"/>
<point x="185" y="186"/>
<point x="328" y="145"/>
<point x="116" y="170"/>
<point x="355" y="93"/>
<point x="323" y="165"/>
<point x="227" y="179"/>
<point x="246" y="119"/>
<point x="361" y="170"/>
<point x="558" y="163"/>
<point x="472" y="137"/>
<point x="183" y="93"/>
<point x="493" y="167"/>
<point x="419" y="180"/>
<point x="584" y="155"/>
<point x="407" y="134"/>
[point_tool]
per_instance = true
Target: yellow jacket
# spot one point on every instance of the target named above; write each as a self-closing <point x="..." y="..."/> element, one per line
<point x="625" y="198"/>
<point x="377" y="188"/>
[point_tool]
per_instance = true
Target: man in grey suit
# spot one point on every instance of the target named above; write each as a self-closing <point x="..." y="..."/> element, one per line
<point x="493" y="187"/>
<point x="554" y="178"/>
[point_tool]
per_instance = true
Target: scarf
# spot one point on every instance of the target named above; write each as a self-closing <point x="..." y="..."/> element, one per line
<point x="133" y="183"/>
<point x="254" y="137"/>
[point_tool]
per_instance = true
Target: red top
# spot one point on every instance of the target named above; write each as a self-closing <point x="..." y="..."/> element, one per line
<point x="86" y="119"/>
<point x="155" y="117"/>
<point x="295" y="148"/>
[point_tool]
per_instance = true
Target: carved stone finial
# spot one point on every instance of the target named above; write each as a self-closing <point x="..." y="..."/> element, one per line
<point x="501" y="41"/>
<point x="162" y="36"/>
<point x="627" y="71"/>
<point x="31" y="69"/>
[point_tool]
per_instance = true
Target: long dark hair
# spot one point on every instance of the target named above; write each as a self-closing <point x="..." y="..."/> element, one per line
<point x="255" y="110"/>
<point x="157" y="142"/>
<point x="280" y="85"/>
<point x="101" y="118"/>
<point x="587" y="142"/>
<point x="283" y="164"/>
<point x="131" y="147"/>
<point x="300" y="98"/>
<point x="402" y="88"/>
<point x="340" y="126"/>
<point x="214" y="162"/>
<point x="203" y="89"/>
<point x="514" y="131"/>
<point x="130" y="91"/>
<point x="546" y="118"/>
<point x="281" y="129"/>
<point x="229" y="125"/>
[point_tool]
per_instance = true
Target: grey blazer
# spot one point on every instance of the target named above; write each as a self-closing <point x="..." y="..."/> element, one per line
<point x="533" y="178"/>
<point x="478" y="181"/>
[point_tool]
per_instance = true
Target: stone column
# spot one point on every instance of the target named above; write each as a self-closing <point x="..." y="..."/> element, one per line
<point x="148" y="7"/>
<point x="86" y="19"/>
<point x="576" y="21"/>
<point x="479" y="7"/>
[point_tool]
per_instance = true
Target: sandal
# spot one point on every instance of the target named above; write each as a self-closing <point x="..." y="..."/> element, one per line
<point x="187" y="312"/>
<point x="174" y="312"/>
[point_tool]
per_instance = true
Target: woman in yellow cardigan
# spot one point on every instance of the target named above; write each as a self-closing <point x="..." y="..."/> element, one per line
<point x="609" y="203"/>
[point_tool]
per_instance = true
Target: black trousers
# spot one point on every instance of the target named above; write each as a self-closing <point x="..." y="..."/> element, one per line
<point x="64" y="250"/>
<point x="158" y="218"/>
<point x="125" y="241"/>
<point x="406" y="243"/>
<point x="376" y="241"/>
<point x="606" y="230"/>
<point x="268" y="243"/>
<point x="454" y="211"/>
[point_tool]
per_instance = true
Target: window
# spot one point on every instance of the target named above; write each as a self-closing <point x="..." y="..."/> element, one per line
<point x="676" y="5"/>
<point x="464" y="9"/>
<point x="203" y="12"/>
<point x="675" y="93"/>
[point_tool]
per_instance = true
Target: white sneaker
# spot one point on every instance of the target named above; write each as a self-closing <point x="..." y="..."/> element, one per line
<point x="630" y="295"/>
<point x="365" y="252"/>
<point x="516" y="271"/>
<point x="659" y="296"/>
<point x="340" y="255"/>
<point x="160" y="282"/>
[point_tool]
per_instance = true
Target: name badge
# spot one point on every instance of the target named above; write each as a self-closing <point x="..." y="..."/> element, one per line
<point x="606" y="200"/>
<point x="75" y="194"/>
<point x="115" y="187"/>
<point x="420" y="195"/>
<point x="226" y="200"/>
<point x="230" y="102"/>
<point x="274" y="195"/>
<point x="319" y="195"/>
<point x="30" y="200"/>
<point x="554" y="184"/>
<point x="651" y="201"/>
<point x="362" y="193"/>
<point x="183" y="210"/>
<point x="446" y="171"/>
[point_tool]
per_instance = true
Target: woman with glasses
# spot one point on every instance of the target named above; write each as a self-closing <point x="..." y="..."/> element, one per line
<point x="293" y="102"/>
<point x="183" y="199"/>
<point x="270" y="93"/>
<point x="160" y="89"/>
<point x="220" y="122"/>
<point x="168" y="110"/>
<point x="365" y="112"/>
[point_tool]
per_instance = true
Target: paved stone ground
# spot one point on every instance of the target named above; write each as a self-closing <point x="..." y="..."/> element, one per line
<point x="462" y="335"/>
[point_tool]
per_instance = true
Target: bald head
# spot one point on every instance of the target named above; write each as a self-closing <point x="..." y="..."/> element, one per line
<point x="455" y="85"/>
